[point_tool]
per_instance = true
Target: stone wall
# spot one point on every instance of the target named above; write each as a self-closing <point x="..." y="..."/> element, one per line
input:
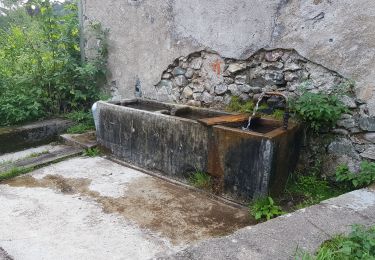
<point x="202" y="52"/>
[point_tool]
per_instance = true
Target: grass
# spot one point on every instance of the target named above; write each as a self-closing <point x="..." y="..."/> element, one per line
<point x="34" y="155"/>
<point x="92" y="152"/>
<point x="236" y="105"/>
<point x="14" y="172"/>
<point x="311" y="190"/>
<point x="359" y="244"/>
<point x="201" y="180"/>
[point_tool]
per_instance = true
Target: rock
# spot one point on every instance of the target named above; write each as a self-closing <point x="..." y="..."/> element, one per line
<point x="181" y="81"/>
<point x="218" y="99"/>
<point x="363" y="111"/>
<point x="272" y="65"/>
<point x="369" y="137"/>
<point x="340" y="131"/>
<point x="342" y="146"/>
<point x="346" y="123"/>
<point x="235" y="67"/>
<point x="187" y="92"/>
<point x="165" y="83"/>
<point x="367" y="124"/>
<point x="227" y="99"/>
<point x="273" y="101"/>
<point x="274" y="55"/>
<point x="355" y="130"/>
<point x="189" y="73"/>
<point x="197" y="96"/>
<point x="207" y="98"/>
<point x="369" y="153"/>
<point x="292" y="67"/>
<point x="178" y="71"/>
<point x="256" y="97"/>
<point x="233" y="88"/>
<point x="244" y="88"/>
<point x="290" y="76"/>
<point x="256" y="90"/>
<point x="346" y="116"/>
<point x="166" y="76"/>
<point x="197" y="88"/>
<point x="240" y="79"/>
<point x="221" y="89"/>
<point x="228" y="80"/>
<point x="244" y="97"/>
<point x="348" y="101"/>
<point x="275" y="77"/>
<point x="196" y="63"/>
<point x="194" y="103"/>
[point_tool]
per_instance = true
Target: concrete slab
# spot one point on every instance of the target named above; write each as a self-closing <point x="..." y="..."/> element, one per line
<point x="92" y="208"/>
<point x="280" y="238"/>
<point x="11" y="157"/>
<point x="85" y="140"/>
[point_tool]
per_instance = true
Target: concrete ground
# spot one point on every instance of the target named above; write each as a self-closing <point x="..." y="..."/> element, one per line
<point x="93" y="208"/>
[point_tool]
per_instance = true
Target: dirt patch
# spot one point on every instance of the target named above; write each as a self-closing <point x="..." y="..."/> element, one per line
<point x="175" y="212"/>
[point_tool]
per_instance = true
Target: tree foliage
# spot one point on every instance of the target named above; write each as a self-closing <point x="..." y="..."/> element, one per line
<point x="41" y="70"/>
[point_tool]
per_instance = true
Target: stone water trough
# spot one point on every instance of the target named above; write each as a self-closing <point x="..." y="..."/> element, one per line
<point x="176" y="140"/>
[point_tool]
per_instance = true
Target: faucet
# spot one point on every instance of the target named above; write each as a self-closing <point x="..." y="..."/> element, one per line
<point x="286" y="111"/>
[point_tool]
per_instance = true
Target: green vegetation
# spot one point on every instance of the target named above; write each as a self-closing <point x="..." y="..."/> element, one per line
<point x="318" y="110"/>
<point x="41" y="69"/>
<point x="14" y="172"/>
<point x="92" y="152"/>
<point x="84" y="122"/>
<point x="365" y="177"/>
<point x="359" y="244"/>
<point x="311" y="190"/>
<point x="236" y="105"/>
<point x="34" y="155"/>
<point x="265" y="209"/>
<point x="201" y="180"/>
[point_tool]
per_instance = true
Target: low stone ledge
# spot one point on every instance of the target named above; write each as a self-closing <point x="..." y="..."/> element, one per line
<point x="37" y="133"/>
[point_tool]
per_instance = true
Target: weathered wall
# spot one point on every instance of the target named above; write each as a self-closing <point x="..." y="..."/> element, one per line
<point x="149" y="39"/>
<point x="146" y="36"/>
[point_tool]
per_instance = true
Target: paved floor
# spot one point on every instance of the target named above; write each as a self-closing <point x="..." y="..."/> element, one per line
<point x="92" y="208"/>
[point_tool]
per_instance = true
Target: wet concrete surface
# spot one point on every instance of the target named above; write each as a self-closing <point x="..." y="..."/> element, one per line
<point x="160" y="216"/>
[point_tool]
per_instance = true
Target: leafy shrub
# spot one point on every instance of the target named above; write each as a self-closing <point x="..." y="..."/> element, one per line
<point x="41" y="70"/>
<point x="359" y="244"/>
<point x="84" y="122"/>
<point x="200" y="180"/>
<point x="365" y="177"/>
<point x="265" y="208"/>
<point x="318" y="110"/>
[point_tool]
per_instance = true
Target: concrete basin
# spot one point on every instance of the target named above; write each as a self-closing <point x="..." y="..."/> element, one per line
<point x="176" y="140"/>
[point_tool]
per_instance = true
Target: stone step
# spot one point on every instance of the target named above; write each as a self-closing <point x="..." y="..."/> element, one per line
<point x="39" y="160"/>
<point x="85" y="140"/>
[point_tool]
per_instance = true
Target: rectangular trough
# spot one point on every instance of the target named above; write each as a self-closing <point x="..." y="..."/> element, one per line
<point x="177" y="140"/>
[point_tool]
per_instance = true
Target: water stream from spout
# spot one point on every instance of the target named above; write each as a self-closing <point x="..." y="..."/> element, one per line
<point x="254" y="112"/>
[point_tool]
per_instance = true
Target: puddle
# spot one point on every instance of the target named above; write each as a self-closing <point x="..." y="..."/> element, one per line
<point x="169" y="210"/>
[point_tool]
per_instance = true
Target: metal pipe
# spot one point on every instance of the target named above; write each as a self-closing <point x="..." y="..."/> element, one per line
<point x="286" y="111"/>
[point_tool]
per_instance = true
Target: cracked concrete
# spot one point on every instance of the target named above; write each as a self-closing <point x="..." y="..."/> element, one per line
<point x="92" y="208"/>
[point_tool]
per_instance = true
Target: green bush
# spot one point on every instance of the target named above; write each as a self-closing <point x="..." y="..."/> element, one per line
<point x="318" y="110"/>
<point x="365" y="177"/>
<point x="265" y="208"/>
<point x="92" y="152"/>
<point x="359" y="244"/>
<point x="41" y="70"/>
